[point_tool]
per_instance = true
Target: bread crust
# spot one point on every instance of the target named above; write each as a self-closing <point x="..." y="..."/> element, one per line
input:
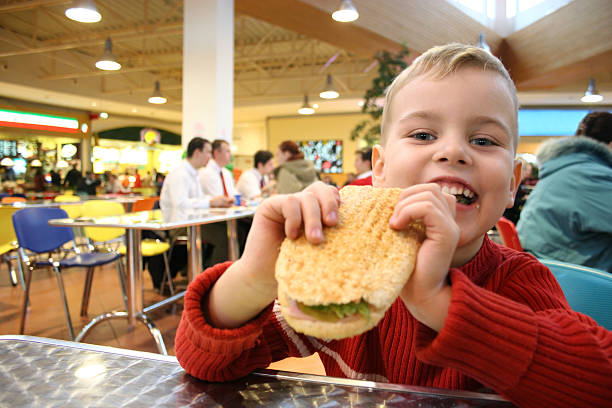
<point x="360" y="258"/>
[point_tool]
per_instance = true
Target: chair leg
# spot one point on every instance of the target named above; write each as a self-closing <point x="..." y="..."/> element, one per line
<point x="167" y="275"/>
<point x="11" y="269"/>
<point x="26" y="299"/>
<point x="87" y="291"/>
<point x="60" y="283"/>
<point x="20" y="268"/>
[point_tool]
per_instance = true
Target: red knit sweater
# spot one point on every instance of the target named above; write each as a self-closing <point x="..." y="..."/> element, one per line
<point x="509" y="328"/>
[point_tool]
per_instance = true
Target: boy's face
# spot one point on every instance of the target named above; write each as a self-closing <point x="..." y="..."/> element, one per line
<point x="456" y="132"/>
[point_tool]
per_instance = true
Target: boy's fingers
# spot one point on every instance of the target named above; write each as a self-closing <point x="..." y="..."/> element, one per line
<point x="311" y="214"/>
<point x="292" y="213"/>
<point x="329" y="199"/>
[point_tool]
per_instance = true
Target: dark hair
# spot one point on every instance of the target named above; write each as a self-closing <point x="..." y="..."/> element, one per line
<point x="596" y="125"/>
<point x="197" y="143"/>
<point x="262" y="156"/>
<point x="366" y="154"/>
<point x="291" y="147"/>
<point x="217" y="143"/>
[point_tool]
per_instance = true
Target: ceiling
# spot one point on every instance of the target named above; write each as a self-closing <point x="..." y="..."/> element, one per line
<point x="283" y="49"/>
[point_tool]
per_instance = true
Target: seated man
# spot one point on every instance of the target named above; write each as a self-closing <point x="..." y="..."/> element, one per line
<point x="254" y="183"/>
<point x="363" y="165"/>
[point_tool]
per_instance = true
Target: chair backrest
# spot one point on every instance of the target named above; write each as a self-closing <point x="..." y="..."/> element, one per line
<point x="146" y="204"/>
<point x="66" y="198"/>
<point x="7" y="232"/>
<point x="508" y="234"/>
<point x="13" y="199"/>
<point x="34" y="232"/>
<point x="100" y="208"/>
<point x="587" y="290"/>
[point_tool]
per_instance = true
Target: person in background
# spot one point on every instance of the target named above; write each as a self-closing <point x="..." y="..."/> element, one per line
<point x="294" y="173"/>
<point x="88" y="184"/>
<point x="350" y="177"/>
<point x="158" y="182"/>
<point x="56" y="179"/>
<point x="363" y="165"/>
<point x="473" y="315"/>
<point x="214" y="178"/>
<point x="39" y="180"/>
<point x="114" y="185"/>
<point x="568" y="216"/>
<point x="254" y="182"/>
<point x="73" y="177"/>
<point x="180" y="194"/>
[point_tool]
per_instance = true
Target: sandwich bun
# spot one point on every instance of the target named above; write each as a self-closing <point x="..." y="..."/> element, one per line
<point x="360" y="259"/>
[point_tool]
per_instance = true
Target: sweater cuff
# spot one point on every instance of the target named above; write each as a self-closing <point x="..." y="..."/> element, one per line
<point x="195" y="332"/>
<point x="485" y="335"/>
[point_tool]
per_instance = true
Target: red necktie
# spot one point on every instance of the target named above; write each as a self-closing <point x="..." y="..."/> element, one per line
<point x="261" y="183"/>
<point x="223" y="182"/>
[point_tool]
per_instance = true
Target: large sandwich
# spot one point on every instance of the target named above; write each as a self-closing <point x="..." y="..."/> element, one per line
<point x="343" y="287"/>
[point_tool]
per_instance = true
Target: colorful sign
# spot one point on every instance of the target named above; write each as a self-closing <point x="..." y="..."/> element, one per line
<point x="38" y="121"/>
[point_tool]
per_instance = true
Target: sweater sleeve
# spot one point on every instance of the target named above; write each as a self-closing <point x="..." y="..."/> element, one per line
<point x="524" y="342"/>
<point x="214" y="354"/>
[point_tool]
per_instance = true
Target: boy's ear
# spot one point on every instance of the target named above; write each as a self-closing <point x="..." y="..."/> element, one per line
<point x="514" y="182"/>
<point x="378" y="166"/>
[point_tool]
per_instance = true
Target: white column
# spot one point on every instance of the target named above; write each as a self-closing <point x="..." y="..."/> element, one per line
<point x="208" y="69"/>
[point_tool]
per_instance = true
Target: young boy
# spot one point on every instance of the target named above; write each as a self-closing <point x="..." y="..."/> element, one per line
<point x="473" y="315"/>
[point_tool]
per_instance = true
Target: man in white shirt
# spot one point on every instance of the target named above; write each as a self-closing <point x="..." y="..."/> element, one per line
<point x="215" y="179"/>
<point x="363" y="165"/>
<point x="254" y="182"/>
<point x="181" y="190"/>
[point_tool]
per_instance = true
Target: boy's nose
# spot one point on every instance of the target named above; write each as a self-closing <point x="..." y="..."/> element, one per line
<point x="453" y="153"/>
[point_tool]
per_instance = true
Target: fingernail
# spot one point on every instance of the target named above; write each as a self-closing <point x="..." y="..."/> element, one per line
<point x="317" y="233"/>
<point x="332" y="216"/>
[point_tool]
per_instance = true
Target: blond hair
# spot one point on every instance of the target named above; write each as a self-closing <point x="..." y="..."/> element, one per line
<point x="442" y="61"/>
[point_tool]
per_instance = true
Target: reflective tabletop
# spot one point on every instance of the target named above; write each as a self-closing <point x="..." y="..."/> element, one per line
<point x="39" y="372"/>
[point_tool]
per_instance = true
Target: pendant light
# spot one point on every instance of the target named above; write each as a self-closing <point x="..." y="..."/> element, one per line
<point x="591" y="95"/>
<point x="329" y="92"/>
<point x="83" y="11"/>
<point x="157" y="97"/>
<point x="346" y="12"/>
<point x="107" y="61"/>
<point x="306" y="109"/>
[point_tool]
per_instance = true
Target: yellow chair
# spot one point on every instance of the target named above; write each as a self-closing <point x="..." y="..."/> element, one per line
<point x="103" y="236"/>
<point x="73" y="210"/>
<point x="8" y="244"/>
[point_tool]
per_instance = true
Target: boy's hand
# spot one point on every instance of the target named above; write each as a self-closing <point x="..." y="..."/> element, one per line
<point x="427" y="293"/>
<point x="286" y="215"/>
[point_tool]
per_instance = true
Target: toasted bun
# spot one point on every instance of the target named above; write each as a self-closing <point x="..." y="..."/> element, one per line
<point x="360" y="258"/>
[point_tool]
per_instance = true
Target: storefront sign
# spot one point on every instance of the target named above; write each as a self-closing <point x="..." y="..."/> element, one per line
<point x="38" y="121"/>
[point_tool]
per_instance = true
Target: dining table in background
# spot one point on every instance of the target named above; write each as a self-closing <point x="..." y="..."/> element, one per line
<point x="134" y="223"/>
<point x="40" y="372"/>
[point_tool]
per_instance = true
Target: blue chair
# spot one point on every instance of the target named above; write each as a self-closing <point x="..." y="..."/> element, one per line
<point x="587" y="290"/>
<point x="36" y="235"/>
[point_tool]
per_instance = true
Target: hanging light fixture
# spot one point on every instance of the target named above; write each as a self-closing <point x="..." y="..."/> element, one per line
<point x="591" y="94"/>
<point x="36" y="163"/>
<point x="157" y="97"/>
<point x="7" y="161"/>
<point x="107" y="61"/>
<point x="83" y="11"/>
<point x="306" y="109"/>
<point x="346" y="12"/>
<point x="329" y="92"/>
<point x="482" y="43"/>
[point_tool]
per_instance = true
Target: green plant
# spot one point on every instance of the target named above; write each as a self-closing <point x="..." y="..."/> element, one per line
<point x="389" y="66"/>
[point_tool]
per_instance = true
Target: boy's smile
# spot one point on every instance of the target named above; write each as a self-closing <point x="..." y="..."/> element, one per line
<point x="457" y="132"/>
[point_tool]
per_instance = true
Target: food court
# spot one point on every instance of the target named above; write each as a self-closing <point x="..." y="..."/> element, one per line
<point x="305" y="203"/>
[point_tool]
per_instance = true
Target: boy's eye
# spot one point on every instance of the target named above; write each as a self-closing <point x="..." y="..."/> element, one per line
<point x="482" y="141"/>
<point x="422" y="136"/>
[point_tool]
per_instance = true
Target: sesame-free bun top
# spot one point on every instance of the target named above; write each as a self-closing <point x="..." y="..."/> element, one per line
<point x="360" y="258"/>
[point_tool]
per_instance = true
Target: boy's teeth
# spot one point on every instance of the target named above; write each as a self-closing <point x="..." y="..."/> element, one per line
<point x="458" y="190"/>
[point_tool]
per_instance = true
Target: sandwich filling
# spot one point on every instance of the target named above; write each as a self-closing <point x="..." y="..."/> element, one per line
<point x="334" y="312"/>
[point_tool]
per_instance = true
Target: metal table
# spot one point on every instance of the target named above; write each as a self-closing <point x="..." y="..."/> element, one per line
<point x="134" y="223"/>
<point x="39" y="372"/>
